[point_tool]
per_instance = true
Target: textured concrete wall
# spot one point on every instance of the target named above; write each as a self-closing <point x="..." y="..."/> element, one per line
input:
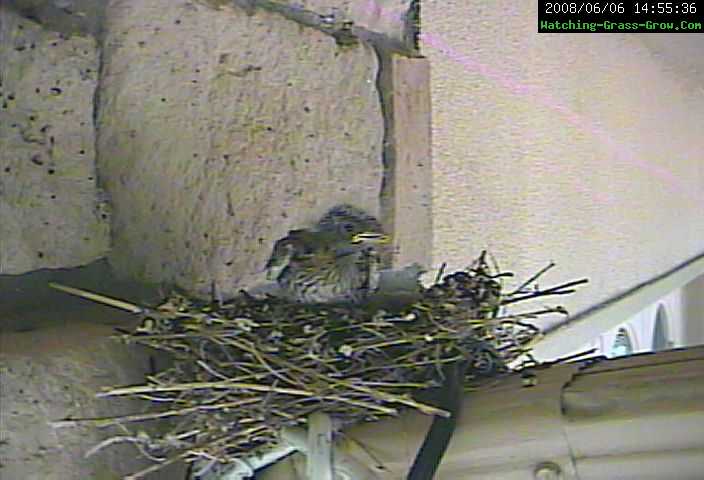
<point x="221" y="130"/>
<point x="52" y="374"/>
<point x="582" y="149"/>
<point x="50" y="211"/>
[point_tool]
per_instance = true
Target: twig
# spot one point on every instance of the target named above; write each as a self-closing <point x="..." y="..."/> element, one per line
<point x="558" y="290"/>
<point x="540" y="273"/>
<point x="441" y="271"/>
<point x="96" y="297"/>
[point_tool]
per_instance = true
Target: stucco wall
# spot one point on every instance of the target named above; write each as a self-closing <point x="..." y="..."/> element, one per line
<point x="587" y="150"/>
<point x="51" y="213"/>
<point x="221" y="129"/>
<point x="52" y="374"/>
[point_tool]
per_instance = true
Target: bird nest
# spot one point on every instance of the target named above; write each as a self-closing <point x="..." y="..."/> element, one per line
<point x="245" y="369"/>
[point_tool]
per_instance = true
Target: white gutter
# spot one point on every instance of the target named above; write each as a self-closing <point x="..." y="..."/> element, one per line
<point x="633" y="418"/>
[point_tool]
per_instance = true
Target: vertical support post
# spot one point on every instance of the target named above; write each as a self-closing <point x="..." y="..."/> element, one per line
<point x="319" y="447"/>
<point x="404" y="84"/>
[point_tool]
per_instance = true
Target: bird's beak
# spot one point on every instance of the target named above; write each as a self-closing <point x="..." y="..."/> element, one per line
<point x="371" y="237"/>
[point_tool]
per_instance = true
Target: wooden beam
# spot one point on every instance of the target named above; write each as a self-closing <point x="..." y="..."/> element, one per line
<point x="407" y="193"/>
<point x="320" y="447"/>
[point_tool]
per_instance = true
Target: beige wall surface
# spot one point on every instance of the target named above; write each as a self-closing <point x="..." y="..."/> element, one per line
<point x="587" y="150"/>
<point x="219" y="131"/>
<point x="52" y="213"/>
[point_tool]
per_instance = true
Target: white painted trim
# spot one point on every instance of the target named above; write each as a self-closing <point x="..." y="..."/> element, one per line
<point x="571" y="335"/>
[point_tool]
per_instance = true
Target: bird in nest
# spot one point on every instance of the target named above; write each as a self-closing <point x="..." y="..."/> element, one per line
<point x="335" y="261"/>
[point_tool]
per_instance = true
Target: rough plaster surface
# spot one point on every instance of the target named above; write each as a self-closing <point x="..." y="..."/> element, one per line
<point x="219" y="131"/>
<point x="51" y="374"/>
<point x="586" y="150"/>
<point x="50" y="214"/>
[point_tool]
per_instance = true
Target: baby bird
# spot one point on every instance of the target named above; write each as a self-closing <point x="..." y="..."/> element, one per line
<point x="337" y="261"/>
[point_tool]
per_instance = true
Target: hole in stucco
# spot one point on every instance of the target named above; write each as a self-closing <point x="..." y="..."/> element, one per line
<point x="163" y="99"/>
<point x="40" y="254"/>
<point x="51" y="171"/>
<point x="37" y="90"/>
<point x="82" y="152"/>
<point x="7" y="169"/>
<point x="55" y="91"/>
<point x="44" y="129"/>
<point x="306" y="109"/>
<point x="178" y="22"/>
<point x="32" y="118"/>
<point x="11" y="96"/>
<point x="53" y="197"/>
<point x="51" y="140"/>
<point x="37" y="159"/>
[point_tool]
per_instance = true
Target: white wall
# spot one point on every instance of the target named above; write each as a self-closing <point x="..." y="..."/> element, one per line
<point x="583" y="149"/>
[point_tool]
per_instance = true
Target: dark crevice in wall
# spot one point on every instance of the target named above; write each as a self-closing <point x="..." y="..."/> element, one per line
<point x="412" y="25"/>
<point x="103" y="197"/>
<point x="384" y="86"/>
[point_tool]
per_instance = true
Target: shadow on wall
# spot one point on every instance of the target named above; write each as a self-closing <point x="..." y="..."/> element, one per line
<point x="70" y="17"/>
<point x="22" y="296"/>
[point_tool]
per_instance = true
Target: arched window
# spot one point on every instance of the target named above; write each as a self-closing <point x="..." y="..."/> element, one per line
<point x="661" y="333"/>
<point x="622" y="344"/>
